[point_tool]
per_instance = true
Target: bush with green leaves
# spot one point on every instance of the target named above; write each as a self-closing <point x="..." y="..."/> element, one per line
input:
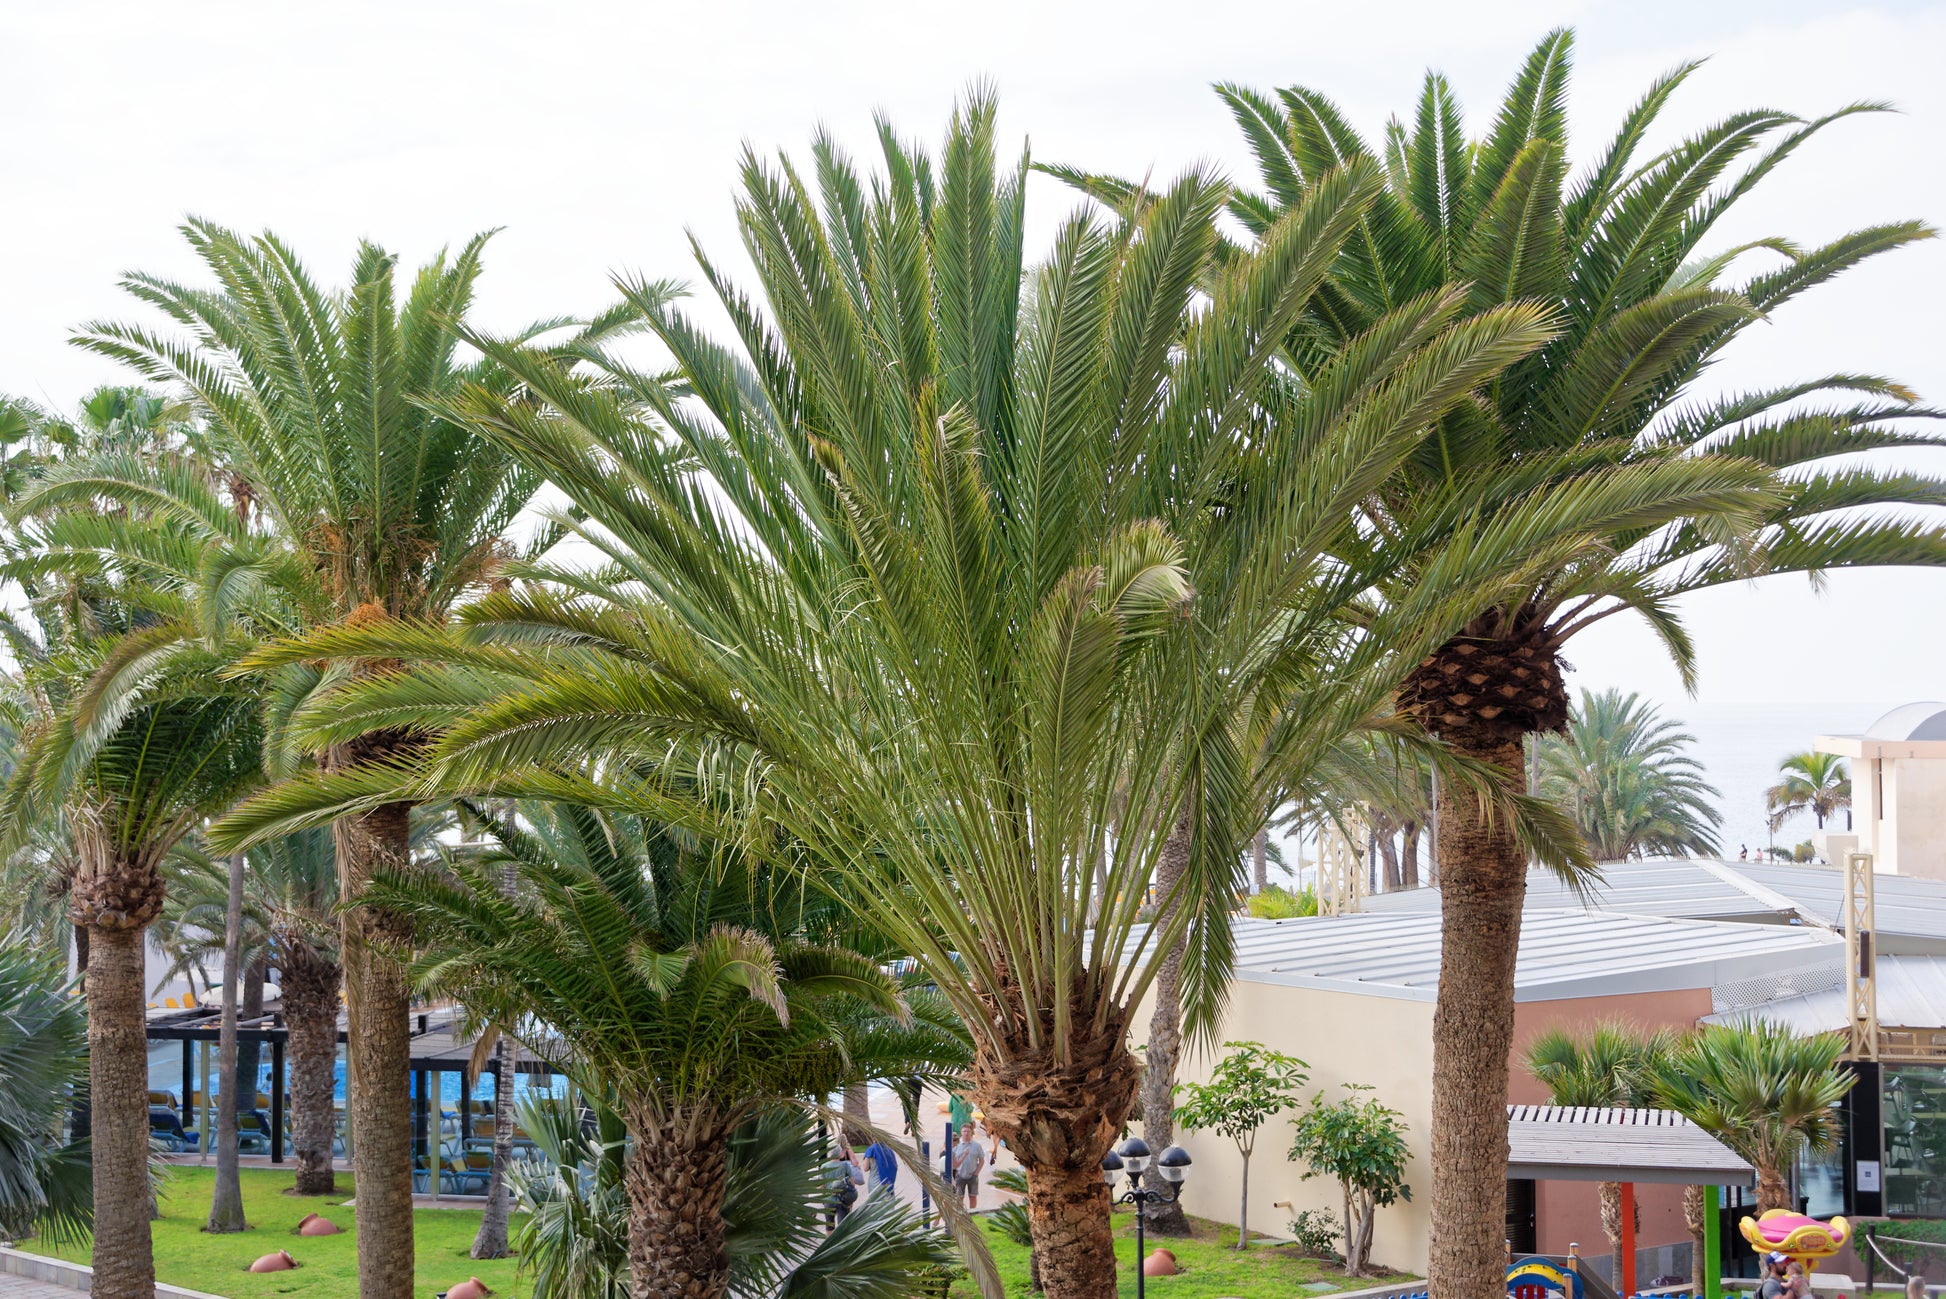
<point x="44" y="1179"/>
<point x="1276" y="902"/>
<point x="1361" y="1142"/>
<point x="1247" y="1087"/>
<point x="1316" y="1232"/>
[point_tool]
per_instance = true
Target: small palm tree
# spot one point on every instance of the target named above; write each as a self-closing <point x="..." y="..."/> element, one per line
<point x="689" y="985"/>
<point x="1627" y="778"/>
<point x="1611" y="1066"/>
<point x="1817" y="781"/>
<point x="44" y="1180"/>
<point x="1766" y="1092"/>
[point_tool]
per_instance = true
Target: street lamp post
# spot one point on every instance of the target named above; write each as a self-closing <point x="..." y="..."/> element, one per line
<point x="1170" y="1167"/>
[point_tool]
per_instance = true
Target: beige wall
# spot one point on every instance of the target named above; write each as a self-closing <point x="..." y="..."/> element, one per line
<point x="1912" y="837"/>
<point x="1344" y="1037"/>
<point x="1386" y="1042"/>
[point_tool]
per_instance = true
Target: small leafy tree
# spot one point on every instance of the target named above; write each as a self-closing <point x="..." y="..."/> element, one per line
<point x="1248" y="1085"/>
<point x="1361" y="1142"/>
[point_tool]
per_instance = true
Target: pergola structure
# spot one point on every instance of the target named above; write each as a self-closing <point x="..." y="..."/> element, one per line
<point x="1570" y="1144"/>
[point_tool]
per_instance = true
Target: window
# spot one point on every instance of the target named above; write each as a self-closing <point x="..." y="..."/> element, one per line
<point x="1914" y="1099"/>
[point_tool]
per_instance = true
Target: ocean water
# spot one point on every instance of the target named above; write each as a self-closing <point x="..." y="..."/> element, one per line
<point x="1740" y="746"/>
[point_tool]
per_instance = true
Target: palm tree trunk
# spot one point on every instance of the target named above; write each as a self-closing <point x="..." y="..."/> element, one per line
<point x="491" y="1240"/>
<point x="1692" y="1216"/>
<point x="249" y="1053"/>
<point x="1060" y="1117"/>
<point x="226" y="1205"/>
<point x="1165" y="1037"/>
<point x="1773" y="1190"/>
<point x="1388" y="851"/>
<point x="1260" y="860"/>
<point x="311" y="1014"/>
<point x="1483" y="882"/>
<point x="677" y="1176"/>
<point x="378" y="1055"/>
<point x="118" y="1066"/>
<point x="1611" y="1227"/>
<point x="857" y="1105"/>
<point x="1409" y="856"/>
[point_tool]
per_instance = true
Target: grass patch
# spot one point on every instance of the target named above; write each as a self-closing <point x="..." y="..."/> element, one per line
<point x="1211" y="1266"/>
<point x="186" y="1255"/>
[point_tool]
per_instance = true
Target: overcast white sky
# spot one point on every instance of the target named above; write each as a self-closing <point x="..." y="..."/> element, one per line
<point x="598" y="135"/>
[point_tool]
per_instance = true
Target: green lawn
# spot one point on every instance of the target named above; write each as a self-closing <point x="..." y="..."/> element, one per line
<point x="1211" y="1268"/>
<point x="186" y="1255"/>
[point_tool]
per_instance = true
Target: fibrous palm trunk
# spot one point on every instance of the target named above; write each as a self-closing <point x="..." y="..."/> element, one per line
<point x="1692" y="1216"/>
<point x="1159" y="1058"/>
<point x="858" y="1111"/>
<point x="117" y="900"/>
<point x="1483" y="693"/>
<point x="1773" y="1190"/>
<point x="226" y="1204"/>
<point x="1059" y="1117"/>
<point x="311" y="1014"/>
<point x="378" y="1052"/>
<point x="677" y="1176"/>
<point x="1260" y="861"/>
<point x="1611" y="1225"/>
<point x="491" y="1240"/>
<point x="1409" y="856"/>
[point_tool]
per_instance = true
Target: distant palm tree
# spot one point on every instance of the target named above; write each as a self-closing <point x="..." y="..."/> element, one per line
<point x="1611" y="1066"/>
<point x="1766" y="1092"/>
<point x="1626" y="777"/>
<point x="1818" y="781"/>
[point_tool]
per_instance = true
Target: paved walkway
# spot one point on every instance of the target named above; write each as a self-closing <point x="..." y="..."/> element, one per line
<point x="19" y="1287"/>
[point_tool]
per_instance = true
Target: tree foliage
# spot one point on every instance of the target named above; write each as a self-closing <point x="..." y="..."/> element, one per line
<point x="1249" y="1086"/>
<point x="1360" y="1142"/>
<point x="1627" y="778"/>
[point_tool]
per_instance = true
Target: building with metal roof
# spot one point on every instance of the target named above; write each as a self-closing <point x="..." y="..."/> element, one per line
<point x="1562" y="1143"/>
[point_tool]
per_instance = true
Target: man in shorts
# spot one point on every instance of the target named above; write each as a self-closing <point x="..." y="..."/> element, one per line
<point x="969" y="1158"/>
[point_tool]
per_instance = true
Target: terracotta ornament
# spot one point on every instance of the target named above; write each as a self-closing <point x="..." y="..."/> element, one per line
<point x="1160" y="1263"/>
<point x="317" y="1224"/>
<point x="471" y="1288"/>
<point x="281" y="1261"/>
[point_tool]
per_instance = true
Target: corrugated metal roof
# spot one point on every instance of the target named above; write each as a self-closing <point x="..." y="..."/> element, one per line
<point x="1911" y="994"/>
<point x="1563" y="953"/>
<point x="1556" y="1143"/>
<point x="1911" y="912"/>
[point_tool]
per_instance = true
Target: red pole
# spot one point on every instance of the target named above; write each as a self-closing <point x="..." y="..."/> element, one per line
<point x="1628" y="1239"/>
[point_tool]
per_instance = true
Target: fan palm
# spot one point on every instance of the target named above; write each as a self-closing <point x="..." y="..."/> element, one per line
<point x="340" y="495"/>
<point x="290" y="907"/>
<point x="44" y="1182"/>
<point x="1817" y="781"/>
<point x="899" y="590"/>
<point x="1766" y="1092"/>
<point x="688" y="984"/>
<point x="1682" y="492"/>
<point x="1611" y="1066"/>
<point x="1626" y="777"/>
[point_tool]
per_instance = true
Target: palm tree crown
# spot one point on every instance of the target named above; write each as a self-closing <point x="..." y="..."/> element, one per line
<point x="1626" y="777"/>
<point x="1818" y="782"/>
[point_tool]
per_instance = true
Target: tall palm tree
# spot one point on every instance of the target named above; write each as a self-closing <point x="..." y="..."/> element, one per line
<point x="1817" y="781"/>
<point x="1766" y="1092"/>
<point x="890" y="590"/>
<point x="344" y="497"/>
<point x="1683" y="492"/>
<point x="133" y="782"/>
<point x="1611" y="1066"/>
<point x="1626" y="777"/>
<point x="290" y="913"/>
<point x="681" y="980"/>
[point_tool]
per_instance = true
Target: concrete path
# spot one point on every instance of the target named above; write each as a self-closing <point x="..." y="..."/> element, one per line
<point x="20" y="1287"/>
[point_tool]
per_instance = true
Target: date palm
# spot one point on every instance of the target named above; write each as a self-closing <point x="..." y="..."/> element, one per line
<point x="132" y="783"/>
<point x="1765" y="1091"/>
<point x="1627" y="778"/>
<point x="328" y="490"/>
<point x="1818" y="782"/>
<point x="941" y="572"/>
<point x="1700" y="490"/>
<point x="290" y="907"/>
<point x="689" y="984"/>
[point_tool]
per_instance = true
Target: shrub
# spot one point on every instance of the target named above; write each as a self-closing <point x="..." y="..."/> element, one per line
<point x="1279" y="903"/>
<point x="1316" y="1233"/>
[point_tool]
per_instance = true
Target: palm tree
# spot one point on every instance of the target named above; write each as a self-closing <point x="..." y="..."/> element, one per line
<point x="290" y="912"/>
<point x="1818" y="781"/>
<point x="132" y="782"/>
<point x="1677" y="492"/>
<point x="1766" y="1092"/>
<point x="44" y="1179"/>
<point x="342" y="497"/>
<point x="928" y="630"/>
<point x="688" y="984"/>
<point x="574" y="1238"/>
<point x="1626" y="777"/>
<point x="1611" y="1066"/>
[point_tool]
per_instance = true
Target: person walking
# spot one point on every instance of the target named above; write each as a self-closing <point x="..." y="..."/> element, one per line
<point x="842" y="1178"/>
<point x="1776" y="1278"/>
<point x="881" y="1168"/>
<point x="969" y="1157"/>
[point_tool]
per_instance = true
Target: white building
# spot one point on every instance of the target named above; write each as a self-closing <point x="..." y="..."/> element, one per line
<point x="1898" y="790"/>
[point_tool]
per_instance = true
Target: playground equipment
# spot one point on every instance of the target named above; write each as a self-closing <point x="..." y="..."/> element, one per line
<point x="1805" y="1239"/>
<point x="1536" y="1277"/>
